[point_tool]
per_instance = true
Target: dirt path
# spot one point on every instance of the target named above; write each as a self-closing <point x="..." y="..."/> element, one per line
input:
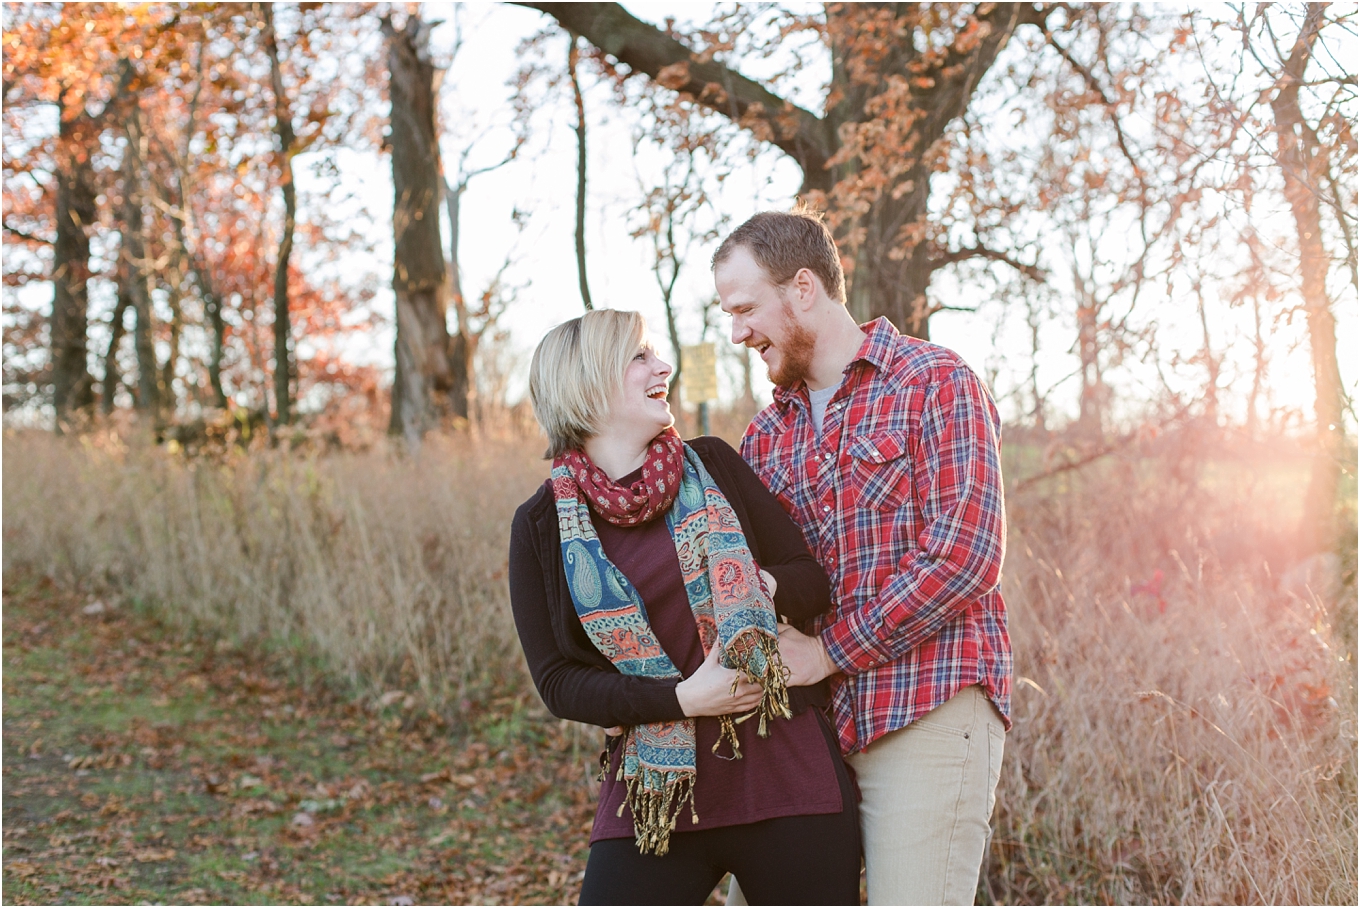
<point x="144" y="766"/>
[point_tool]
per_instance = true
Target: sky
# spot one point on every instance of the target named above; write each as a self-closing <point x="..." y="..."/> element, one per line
<point x="540" y="184"/>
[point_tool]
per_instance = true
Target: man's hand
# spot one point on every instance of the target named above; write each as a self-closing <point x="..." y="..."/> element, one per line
<point x="770" y="583"/>
<point x="805" y="657"/>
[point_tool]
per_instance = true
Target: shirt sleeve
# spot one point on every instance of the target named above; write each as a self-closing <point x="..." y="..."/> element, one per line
<point x="572" y="689"/>
<point x="956" y="471"/>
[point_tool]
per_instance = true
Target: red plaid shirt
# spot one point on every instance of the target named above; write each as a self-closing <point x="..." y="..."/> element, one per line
<point x="900" y="499"/>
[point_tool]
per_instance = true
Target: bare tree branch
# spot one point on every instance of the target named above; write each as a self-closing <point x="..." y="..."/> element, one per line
<point x="1033" y="272"/>
<point x="645" y="48"/>
<point x="1098" y="453"/>
<point x="27" y="237"/>
<point x="1098" y="90"/>
<point x="573" y="59"/>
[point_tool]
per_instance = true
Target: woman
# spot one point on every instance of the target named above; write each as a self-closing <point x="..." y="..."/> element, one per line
<point x="646" y="577"/>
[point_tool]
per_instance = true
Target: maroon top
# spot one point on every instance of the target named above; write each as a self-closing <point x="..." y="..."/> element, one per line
<point x="790" y="773"/>
<point x="574" y="679"/>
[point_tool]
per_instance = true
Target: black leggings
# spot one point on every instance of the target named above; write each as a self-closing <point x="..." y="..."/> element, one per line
<point x="808" y="860"/>
<point x="785" y="861"/>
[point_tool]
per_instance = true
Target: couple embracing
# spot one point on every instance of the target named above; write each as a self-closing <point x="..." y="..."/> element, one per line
<point x="799" y="651"/>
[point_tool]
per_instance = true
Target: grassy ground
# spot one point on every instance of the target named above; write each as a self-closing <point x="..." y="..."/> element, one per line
<point x="1184" y="701"/>
<point x="143" y="766"/>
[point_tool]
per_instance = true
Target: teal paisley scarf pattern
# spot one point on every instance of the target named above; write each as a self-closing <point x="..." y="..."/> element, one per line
<point x="731" y="608"/>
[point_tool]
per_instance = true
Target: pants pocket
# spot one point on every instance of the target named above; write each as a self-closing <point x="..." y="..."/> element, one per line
<point x="996" y="746"/>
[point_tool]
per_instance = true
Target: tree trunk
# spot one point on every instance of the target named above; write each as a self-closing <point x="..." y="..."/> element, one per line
<point x="168" y="395"/>
<point x="213" y="304"/>
<point x="424" y="381"/>
<point x="1304" y="166"/>
<point x="212" y="308"/>
<point x="283" y="125"/>
<point x="1211" y="363"/>
<point x="190" y="260"/>
<point x="112" y="378"/>
<point x="133" y="251"/>
<point x="1258" y="372"/>
<point x="748" y="391"/>
<point x="1091" y="410"/>
<point x="573" y="57"/>
<point x="665" y="252"/>
<point x="889" y="263"/>
<point x="674" y="333"/>
<point x="1033" y="321"/>
<point x="883" y="279"/>
<point x="462" y="343"/>
<point x="72" y="385"/>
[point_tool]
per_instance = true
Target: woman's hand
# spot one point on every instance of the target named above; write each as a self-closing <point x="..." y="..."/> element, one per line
<point x="708" y="692"/>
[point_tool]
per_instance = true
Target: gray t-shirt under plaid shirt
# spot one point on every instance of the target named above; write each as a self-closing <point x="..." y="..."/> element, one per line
<point x="819" y="401"/>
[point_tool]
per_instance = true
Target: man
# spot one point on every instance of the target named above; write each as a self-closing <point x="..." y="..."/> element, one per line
<point x="885" y="450"/>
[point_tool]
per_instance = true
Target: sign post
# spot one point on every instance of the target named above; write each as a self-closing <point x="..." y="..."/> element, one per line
<point x="699" y="378"/>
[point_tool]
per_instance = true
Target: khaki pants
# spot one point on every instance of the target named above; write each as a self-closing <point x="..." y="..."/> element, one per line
<point x="929" y="790"/>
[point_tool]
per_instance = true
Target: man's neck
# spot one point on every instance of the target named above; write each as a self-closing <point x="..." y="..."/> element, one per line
<point x="838" y="343"/>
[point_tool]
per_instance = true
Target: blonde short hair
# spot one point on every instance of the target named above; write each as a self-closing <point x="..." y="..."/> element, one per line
<point x="576" y="370"/>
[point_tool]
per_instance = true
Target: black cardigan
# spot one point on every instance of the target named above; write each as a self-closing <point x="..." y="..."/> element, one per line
<point x="574" y="679"/>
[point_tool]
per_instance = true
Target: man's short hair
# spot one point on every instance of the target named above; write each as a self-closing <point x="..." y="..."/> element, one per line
<point x="785" y="242"/>
<point x="575" y="372"/>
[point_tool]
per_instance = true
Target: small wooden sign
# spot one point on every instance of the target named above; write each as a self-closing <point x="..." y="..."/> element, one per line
<point x="699" y="377"/>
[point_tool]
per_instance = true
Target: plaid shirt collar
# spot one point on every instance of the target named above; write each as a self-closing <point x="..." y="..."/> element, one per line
<point x="878" y="350"/>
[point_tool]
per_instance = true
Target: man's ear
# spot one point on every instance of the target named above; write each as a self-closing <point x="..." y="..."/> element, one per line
<point x="805" y="288"/>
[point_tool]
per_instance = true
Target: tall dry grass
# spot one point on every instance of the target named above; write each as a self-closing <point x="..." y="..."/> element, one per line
<point x="1188" y="740"/>
<point x="1191" y="739"/>
<point x="388" y="570"/>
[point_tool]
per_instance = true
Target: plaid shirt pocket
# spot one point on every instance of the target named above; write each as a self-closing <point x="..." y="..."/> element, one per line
<point x="878" y="475"/>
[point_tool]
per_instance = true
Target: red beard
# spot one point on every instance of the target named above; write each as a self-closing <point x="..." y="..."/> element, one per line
<point x="795" y="352"/>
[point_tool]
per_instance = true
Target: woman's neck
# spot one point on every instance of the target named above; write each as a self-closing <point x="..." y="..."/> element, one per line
<point x="617" y="456"/>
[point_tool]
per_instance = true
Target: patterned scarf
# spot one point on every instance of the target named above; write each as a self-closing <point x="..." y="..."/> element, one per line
<point x="726" y="594"/>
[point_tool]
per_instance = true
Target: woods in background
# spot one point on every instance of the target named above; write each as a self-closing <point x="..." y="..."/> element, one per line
<point x="1060" y="164"/>
<point x="178" y="131"/>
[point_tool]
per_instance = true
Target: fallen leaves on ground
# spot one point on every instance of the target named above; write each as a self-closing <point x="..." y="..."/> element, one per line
<point x="144" y="765"/>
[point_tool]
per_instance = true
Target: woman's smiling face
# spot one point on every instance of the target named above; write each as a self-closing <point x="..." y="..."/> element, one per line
<point x="639" y="406"/>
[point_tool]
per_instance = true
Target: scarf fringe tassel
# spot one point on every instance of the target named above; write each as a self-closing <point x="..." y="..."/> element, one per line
<point x="656" y="799"/>
<point x="774" y="701"/>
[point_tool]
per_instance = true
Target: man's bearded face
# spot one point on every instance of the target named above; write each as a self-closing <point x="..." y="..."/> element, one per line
<point x="790" y="356"/>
